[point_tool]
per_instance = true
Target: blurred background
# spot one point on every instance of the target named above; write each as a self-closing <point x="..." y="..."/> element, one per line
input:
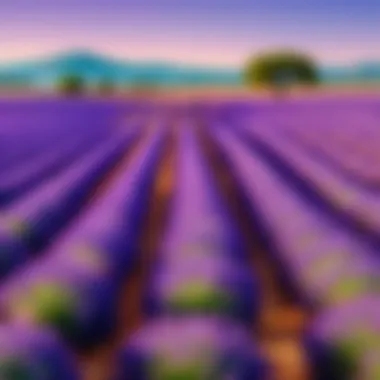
<point x="127" y="45"/>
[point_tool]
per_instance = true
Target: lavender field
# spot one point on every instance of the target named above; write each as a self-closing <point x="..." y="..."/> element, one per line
<point x="184" y="240"/>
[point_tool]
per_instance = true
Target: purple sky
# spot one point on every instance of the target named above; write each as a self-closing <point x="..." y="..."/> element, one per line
<point x="210" y="32"/>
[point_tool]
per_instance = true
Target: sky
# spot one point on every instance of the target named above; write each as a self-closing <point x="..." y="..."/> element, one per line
<point x="202" y="32"/>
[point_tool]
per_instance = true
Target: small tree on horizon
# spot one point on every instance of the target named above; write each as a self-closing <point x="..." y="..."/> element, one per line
<point x="281" y="70"/>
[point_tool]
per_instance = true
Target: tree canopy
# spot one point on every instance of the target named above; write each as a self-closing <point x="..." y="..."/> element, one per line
<point x="281" y="69"/>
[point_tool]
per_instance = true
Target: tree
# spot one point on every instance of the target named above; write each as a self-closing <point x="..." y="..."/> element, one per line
<point x="71" y="85"/>
<point x="280" y="70"/>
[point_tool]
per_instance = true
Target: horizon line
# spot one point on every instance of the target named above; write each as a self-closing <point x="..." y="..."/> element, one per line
<point x="160" y="61"/>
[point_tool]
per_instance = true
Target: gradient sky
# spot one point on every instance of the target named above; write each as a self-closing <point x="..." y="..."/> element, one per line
<point x="207" y="32"/>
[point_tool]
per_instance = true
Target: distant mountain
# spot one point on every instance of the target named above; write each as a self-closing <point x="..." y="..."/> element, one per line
<point x="366" y="72"/>
<point x="94" y="67"/>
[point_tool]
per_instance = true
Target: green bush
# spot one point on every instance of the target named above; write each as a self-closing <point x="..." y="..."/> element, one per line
<point x="71" y="85"/>
<point x="280" y="70"/>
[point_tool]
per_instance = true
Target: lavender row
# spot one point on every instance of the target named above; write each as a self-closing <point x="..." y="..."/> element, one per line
<point x="37" y="132"/>
<point x="202" y="249"/>
<point x="328" y="263"/>
<point x="74" y="287"/>
<point x="32" y="353"/>
<point x="29" y="224"/>
<point x="28" y="175"/>
<point x="197" y="347"/>
<point x="350" y="202"/>
<point x="343" y="342"/>
<point x="348" y="143"/>
<point x="200" y="297"/>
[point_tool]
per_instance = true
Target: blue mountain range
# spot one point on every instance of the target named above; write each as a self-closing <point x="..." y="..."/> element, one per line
<point x="364" y="72"/>
<point x="96" y="67"/>
<point x="93" y="67"/>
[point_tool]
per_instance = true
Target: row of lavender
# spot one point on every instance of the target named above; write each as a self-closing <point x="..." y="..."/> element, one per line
<point x="37" y="213"/>
<point x="47" y="136"/>
<point x="344" y="136"/>
<point x="69" y="293"/>
<point x="336" y="270"/>
<point x="347" y="201"/>
<point x="201" y="298"/>
<point x="355" y="141"/>
<point x="30" y="222"/>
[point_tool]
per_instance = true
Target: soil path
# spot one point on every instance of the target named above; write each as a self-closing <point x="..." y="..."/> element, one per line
<point x="282" y="318"/>
<point x="98" y="364"/>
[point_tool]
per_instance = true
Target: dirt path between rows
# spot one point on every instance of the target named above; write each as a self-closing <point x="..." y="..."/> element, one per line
<point x="282" y="318"/>
<point x="99" y="363"/>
